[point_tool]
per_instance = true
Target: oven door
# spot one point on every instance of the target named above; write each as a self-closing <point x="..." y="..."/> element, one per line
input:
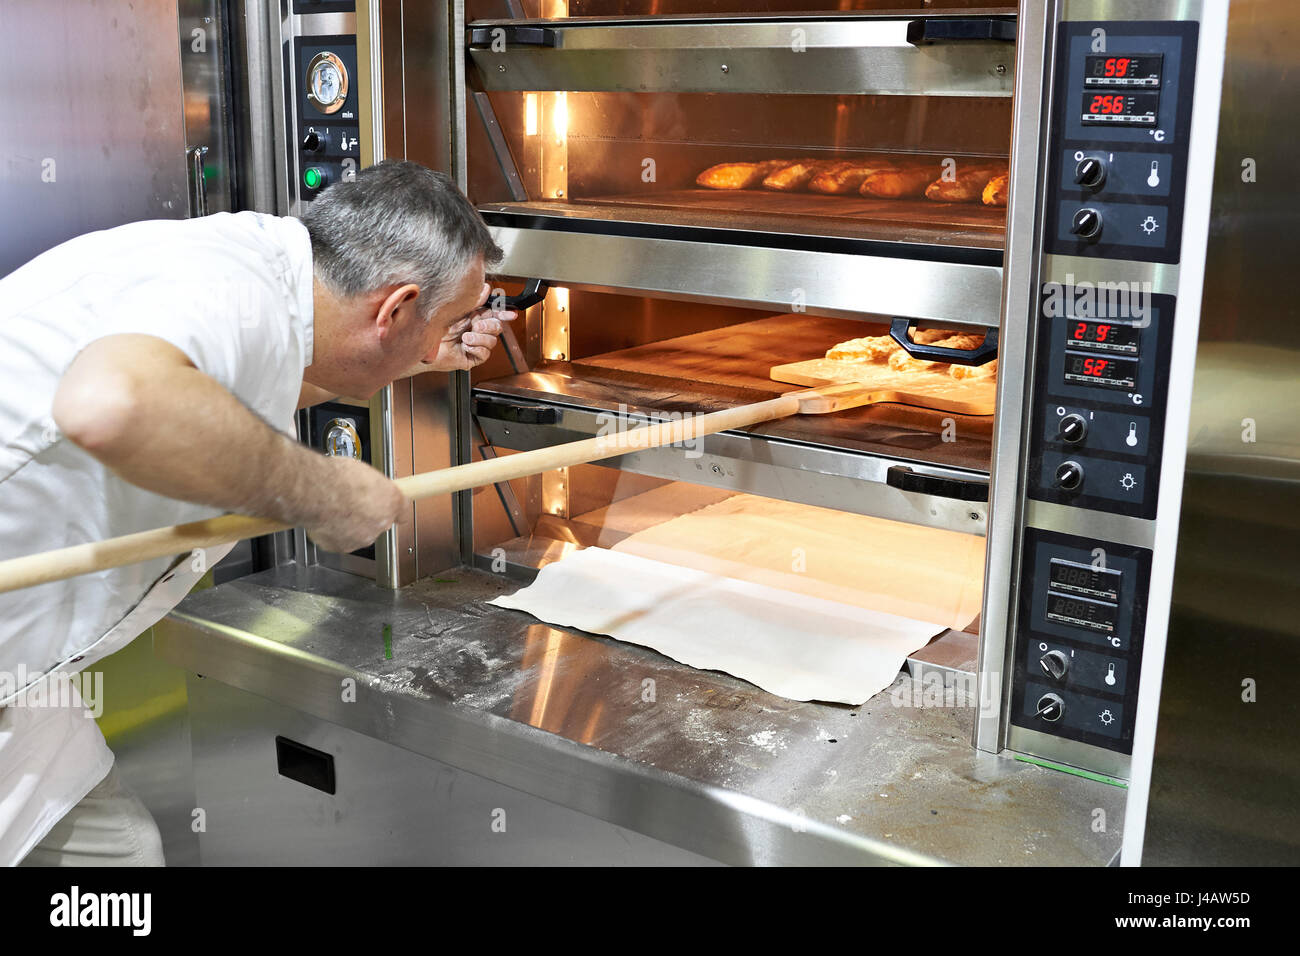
<point x="588" y="140"/>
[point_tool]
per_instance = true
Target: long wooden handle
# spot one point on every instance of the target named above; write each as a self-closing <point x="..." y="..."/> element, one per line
<point x="46" y="566"/>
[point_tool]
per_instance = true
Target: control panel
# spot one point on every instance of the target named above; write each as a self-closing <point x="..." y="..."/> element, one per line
<point x="1120" y="121"/>
<point x="324" y="134"/>
<point x="328" y="135"/>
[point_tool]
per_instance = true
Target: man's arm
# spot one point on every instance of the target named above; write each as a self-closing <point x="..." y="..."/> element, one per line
<point x="138" y="404"/>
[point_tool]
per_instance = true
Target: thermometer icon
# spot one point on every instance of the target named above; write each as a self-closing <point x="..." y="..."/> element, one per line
<point x="1110" y="674"/>
<point x="1154" y="179"/>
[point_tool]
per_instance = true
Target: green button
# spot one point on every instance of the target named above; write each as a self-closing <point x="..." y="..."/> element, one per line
<point x="312" y="178"/>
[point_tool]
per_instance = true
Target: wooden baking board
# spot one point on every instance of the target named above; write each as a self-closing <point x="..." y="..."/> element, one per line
<point x="937" y="390"/>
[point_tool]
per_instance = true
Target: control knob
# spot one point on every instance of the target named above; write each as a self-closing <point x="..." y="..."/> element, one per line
<point x="1090" y="173"/>
<point x="1072" y="428"/>
<point x="1050" y="707"/>
<point x="1086" y="224"/>
<point x="1054" y="664"/>
<point x="314" y="142"/>
<point x="1069" y="475"/>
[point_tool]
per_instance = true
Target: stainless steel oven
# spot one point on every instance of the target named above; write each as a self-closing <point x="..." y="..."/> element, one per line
<point x="615" y="149"/>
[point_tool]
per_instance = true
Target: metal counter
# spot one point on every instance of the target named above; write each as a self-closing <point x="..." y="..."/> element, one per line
<point x="696" y="759"/>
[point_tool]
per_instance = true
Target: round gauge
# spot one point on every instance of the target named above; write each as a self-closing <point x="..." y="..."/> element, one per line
<point x="342" y="439"/>
<point x="327" y="83"/>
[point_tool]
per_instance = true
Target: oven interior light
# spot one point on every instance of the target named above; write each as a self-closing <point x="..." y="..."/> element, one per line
<point x="530" y="114"/>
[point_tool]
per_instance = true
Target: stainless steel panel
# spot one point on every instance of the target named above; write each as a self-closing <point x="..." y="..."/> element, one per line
<point x="390" y="807"/>
<point x="146" y="722"/>
<point x="820" y="283"/>
<point x="256" y="68"/>
<point x="797" y="56"/>
<point x="94" y="123"/>
<point x="823" y="477"/>
<point x="712" y="764"/>
<point x="1018" y="307"/>
<point x="1223" y="779"/>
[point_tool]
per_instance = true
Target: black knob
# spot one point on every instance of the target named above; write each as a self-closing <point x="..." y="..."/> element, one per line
<point x="1087" y="223"/>
<point x="1090" y="173"/>
<point x="1072" y="428"/>
<point x="1069" y="475"/>
<point x="1050" y="707"/>
<point x="1054" y="664"/>
<point x="313" y="142"/>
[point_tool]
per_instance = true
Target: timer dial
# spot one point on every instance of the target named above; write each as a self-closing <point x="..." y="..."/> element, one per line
<point x="327" y="83"/>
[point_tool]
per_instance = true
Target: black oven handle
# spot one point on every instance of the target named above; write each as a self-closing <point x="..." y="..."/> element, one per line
<point x="512" y="34"/>
<point x="534" y="292"/>
<point x="950" y="29"/>
<point x="900" y="329"/>
<point x="905" y="479"/>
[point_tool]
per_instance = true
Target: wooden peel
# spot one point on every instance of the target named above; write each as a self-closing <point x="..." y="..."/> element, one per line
<point x="31" y="570"/>
<point x="937" y="390"/>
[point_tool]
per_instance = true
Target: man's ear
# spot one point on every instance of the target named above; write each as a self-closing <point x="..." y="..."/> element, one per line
<point x="396" y="308"/>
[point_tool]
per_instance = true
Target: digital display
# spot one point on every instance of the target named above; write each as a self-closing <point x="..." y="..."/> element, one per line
<point x="1102" y="371"/>
<point x="1143" y="69"/>
<point x="1084" y="579"/>
<point x="1123" y="109"/>
<point x="1080" y="612"/>
<point x="1102" y="336"/>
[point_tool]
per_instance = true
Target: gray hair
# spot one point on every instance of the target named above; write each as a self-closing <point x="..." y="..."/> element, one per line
<point x="397" y="222"/>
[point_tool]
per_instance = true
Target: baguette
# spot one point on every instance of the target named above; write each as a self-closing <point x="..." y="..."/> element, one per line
<point x="847" y="177"/>
<point x="906" y="182"/>
<point x="797" y="175"/>
<point x="739" y="175"/>
<point x="967" y="185"/>
<point x="995" y="193"/>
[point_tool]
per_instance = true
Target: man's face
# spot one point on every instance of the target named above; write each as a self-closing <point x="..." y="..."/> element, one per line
<point x="447" y="323"/>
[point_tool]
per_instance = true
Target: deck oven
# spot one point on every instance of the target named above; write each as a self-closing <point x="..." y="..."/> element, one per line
<point x="692" y="196"/>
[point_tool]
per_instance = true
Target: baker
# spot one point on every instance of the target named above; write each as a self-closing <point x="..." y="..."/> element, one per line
<point x="148" y="377"/>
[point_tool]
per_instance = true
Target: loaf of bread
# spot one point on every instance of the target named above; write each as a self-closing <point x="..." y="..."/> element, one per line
<point x="967" y="182"/>
<point x="796" y="175"/>
<point x="847" y="177"/>
<point x="908" y="181"/>
<point x="739" y="175"/>
<point x="995" y="192"/>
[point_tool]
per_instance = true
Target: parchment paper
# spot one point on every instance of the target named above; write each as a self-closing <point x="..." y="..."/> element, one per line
<point x="791" y="644"/>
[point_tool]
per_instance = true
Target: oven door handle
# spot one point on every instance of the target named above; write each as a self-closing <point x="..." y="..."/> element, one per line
<point x="900" y="329"/>
<point x="905" y="479"/>
<point x="950" y="29"/>
<point x="512" y="34"/>
<point x="534" y="292"/>
<point x="520" y="413"/>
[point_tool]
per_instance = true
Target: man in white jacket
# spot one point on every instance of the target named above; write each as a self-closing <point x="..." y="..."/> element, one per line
<point x="148" y="376"/>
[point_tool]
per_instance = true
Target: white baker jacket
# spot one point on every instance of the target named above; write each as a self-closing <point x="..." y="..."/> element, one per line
<point x="234" y="293"/>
